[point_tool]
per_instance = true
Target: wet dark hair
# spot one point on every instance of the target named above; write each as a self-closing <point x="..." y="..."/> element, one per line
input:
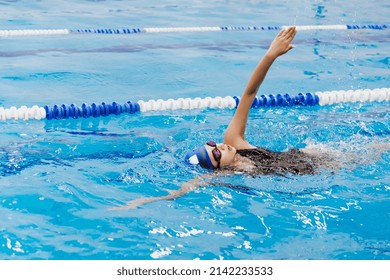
<point x="268" y="162"/>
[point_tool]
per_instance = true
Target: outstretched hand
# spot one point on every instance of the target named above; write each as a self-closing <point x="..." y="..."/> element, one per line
<point x="282" y="42"/>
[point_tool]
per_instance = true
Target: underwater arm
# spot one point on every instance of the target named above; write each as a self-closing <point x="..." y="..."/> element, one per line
<point x="185" y="188"/>
<point x="235" y="132"/>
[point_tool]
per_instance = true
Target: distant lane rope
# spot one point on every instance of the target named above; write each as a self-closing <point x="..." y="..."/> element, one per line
<point x="44" y="32"/>
<point x="64" y="111"/>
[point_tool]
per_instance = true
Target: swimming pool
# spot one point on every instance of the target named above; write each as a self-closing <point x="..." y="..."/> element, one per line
<point x="58" y="178"/>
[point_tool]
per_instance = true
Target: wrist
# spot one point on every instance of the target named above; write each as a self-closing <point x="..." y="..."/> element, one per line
<point x="270" y="56"/>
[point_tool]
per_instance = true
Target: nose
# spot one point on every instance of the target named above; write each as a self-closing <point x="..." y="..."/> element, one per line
<point x="224" y="147"/>
<point x="221" y="147"/>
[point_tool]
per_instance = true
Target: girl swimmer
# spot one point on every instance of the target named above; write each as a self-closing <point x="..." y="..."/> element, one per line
<point x="236" y="154"/>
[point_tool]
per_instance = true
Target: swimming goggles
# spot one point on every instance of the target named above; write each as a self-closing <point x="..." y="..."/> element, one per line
<point x="216" y="153"/>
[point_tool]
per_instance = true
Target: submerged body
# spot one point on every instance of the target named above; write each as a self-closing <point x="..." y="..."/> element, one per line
<point x="266" y="162"/>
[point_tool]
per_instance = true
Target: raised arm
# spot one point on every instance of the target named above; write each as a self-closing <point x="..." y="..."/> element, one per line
<point x="235" y="132"/>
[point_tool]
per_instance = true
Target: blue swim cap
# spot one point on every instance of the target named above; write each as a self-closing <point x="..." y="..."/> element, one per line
<point x="199" y="156"/>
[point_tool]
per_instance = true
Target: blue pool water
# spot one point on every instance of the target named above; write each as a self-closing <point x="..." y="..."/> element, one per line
<point x="58" y="179"/>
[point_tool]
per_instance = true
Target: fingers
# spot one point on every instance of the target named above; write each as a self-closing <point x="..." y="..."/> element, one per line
<point x="290" y="32"/>
<point x="293" y="31"/>
<point x="283" y="31"/>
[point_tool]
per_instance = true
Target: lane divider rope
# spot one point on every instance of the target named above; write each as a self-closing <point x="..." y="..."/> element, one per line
<point x="64" y="111"/>
<point x="43" y="32"/>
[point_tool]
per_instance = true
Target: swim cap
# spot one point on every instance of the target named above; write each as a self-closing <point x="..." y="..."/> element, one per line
<point x="199" y="156"/>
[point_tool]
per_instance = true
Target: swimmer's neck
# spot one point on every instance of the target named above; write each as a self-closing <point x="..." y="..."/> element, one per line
<point x="241" y="163"/>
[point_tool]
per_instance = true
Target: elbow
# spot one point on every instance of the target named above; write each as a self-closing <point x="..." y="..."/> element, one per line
<point x="250" y="92"/>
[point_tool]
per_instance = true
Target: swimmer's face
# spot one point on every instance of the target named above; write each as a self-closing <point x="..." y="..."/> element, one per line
<point x="221" y="154"/>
